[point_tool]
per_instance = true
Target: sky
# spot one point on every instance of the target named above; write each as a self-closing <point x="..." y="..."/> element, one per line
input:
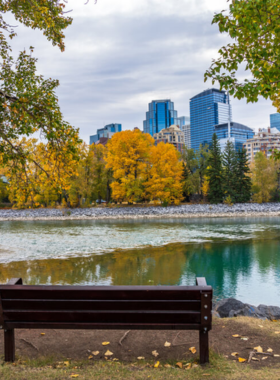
<point x="122" y="54"/>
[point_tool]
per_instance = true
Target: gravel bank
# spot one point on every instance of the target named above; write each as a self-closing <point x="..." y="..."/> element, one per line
<point x="183" y="211"/>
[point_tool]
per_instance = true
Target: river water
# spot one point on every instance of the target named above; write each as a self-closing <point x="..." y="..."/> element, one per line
<point x="239" y="257"/>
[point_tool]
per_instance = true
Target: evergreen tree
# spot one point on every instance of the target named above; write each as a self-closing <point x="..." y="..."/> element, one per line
<point x="230" y="171"/>
<point x="243" y="180"/>
<point x="215" y="172"/>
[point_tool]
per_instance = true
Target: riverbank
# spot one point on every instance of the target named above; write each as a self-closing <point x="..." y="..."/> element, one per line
<point x="182" y="211"/>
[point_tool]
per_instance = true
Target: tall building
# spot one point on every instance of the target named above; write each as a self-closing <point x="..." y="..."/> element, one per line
<point x="183" y="120"/>
<point x="172" y="135"/>
<point x="186" y="129"/>
<point x="105" y="133"/>
<point x="275" y="121"/>
<point x="208" y="109"/>
<point x="161" y="115"/>
<point x="266" y="140"/>
<point x="239" y="134"/>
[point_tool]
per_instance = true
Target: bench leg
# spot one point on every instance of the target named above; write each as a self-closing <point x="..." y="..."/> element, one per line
<point x="203" y="347"/>
<point x="9" y="338"/>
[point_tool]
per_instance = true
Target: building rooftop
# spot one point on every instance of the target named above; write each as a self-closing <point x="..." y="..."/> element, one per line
<point x="207" y="92"/>
<point x="234" y="125"/>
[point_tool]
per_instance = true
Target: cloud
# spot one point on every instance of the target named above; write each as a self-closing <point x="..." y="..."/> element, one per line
<point x="121" y="54"/>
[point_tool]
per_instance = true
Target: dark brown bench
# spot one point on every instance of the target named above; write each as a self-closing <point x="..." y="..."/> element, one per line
<point x="105" y="307"/>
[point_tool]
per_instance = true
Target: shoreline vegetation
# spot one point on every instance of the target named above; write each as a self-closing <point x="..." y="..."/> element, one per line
<point x="146" y="212"/>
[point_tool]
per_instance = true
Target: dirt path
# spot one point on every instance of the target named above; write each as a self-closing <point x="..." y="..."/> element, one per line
<point x="79" y="344"/>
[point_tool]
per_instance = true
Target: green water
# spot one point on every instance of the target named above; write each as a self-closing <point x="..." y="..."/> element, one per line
<point x="239" y="257"/>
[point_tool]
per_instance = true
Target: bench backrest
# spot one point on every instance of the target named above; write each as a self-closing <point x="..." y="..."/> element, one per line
<point x="106" y="307"/>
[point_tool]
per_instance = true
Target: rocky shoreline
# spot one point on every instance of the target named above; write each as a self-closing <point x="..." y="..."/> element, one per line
<point x="135" y="212"/>
<point x="230" y="307"/>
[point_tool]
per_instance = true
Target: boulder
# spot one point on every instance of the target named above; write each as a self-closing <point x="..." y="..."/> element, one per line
<point x="225" y="306"/>
<point x="270" y="312"/>
<point x="248" y="311"/>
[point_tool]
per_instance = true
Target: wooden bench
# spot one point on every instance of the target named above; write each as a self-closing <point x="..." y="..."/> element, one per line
<point x="105" y="307"/>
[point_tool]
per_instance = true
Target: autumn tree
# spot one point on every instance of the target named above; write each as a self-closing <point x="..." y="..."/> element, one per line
<point x="264" y="178"/>
<point x="128" y="155"/>
<point x="28" y="103"/>
<point x="165" y="175"/>
<point x="254" y="27"/>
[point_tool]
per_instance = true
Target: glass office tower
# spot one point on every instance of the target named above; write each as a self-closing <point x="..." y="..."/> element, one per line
<point x="207" y="109"/>
<point x="161" y="115"/>
<point x="275" y="121"/>
<point x="239" y="134"/>
<point x="106" y="132"/>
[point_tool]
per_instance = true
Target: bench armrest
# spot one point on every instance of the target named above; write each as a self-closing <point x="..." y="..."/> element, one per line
<point x="15" y="281"/>
<point x="200" y="281"/>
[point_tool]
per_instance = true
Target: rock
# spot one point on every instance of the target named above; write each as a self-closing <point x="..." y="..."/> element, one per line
<point x="248" y="311"/>
<point x="270" y="312"/>
<point x="225" y="306"/>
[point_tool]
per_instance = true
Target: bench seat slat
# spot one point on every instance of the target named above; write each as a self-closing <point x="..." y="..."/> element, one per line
<point x="81" y="293"/>
<point x="45" y="304"/>
<point x="110" y="316"/>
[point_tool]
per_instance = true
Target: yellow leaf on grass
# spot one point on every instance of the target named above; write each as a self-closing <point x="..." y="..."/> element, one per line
<point x="269" y="350"/>
<point x="90" y="357"/>
<point x="260" y="325"/>
<point x="167" y="344"/>
<point x="276" y="356"/>
<point x="43" y="334"/>
<point x="156" y="365"/>
<point x="256" y="359"/>
<point x="179" y="364"/>
<point x="108" y="353"/>
<point x="95" y="353"/>
<point x="258" y="349"/>
<point x="236" y="336"/>
<point x="155" y="353"/>
<point x="234" y="353"/>
<point x="277" y="332"/>
<point x="74" y="375"/>
<point x="66" y="363"/>
<point x="241" y="360"/>
<point x="105" y="343"/>
<point x="115" y="360"/>
<point x="265" y="357"/>
<point x="193" y="350"/>
<point x="188" y="366"/>
<point x="167" y="366"/>
<point x="140" y="358"/>
<point x="274" y="320"/>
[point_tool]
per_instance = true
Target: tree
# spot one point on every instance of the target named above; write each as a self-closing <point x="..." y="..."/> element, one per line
<point x="243" y="182"/>
<point x="28" y="103"/>
<point x="229" y="159"/>
<point x="264" y="178"/>
<point x="254" y="26"/>
<point x="215" y="172"/>
<point x="165" y="175"/>
<point x="128" y="155"/>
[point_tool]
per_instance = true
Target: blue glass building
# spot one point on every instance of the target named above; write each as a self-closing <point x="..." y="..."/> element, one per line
<point x="161" y="115"/>
<point x="239" y="134"/>
<point x="275" y="121"/>
<point x="106" y="132"/>
<point x="207" y="109"/>
<point x="183" y="120"/>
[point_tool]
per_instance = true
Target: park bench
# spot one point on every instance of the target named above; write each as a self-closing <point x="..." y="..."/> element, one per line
<point x="104" y="308"/>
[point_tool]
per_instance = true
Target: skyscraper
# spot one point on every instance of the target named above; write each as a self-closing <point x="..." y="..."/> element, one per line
<point x="275" y="121"/>
<point x="183" y="120"/>
<point x="207" y="109"/>
<point x="105" y="132"/>
<point x="161" y="115"/>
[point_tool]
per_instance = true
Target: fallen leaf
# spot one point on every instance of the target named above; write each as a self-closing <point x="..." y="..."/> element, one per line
<point x="256" y="359"/>
<point x="74" y="375"/>
<point x="167" y="366"/>
<point x="265" y="357"/>
<point x="140" y="358"/>
<point x="269" y="350"/>
<point x="115" y="360"/>
<point x="66" y="363"/>
<point x="105" y="343"/>
<point x="193" y="350"/>
<point x="244" y="338"/>
<point x="260" y="325"/>
<point x="276" y="356"/>
<point x="234" y="354"/>
<point x="90" y="357"/>
<point x="258" y="349"/>
<point x="274" y="320"/>
<point x="155" y="353"/>
<point x="95" y="353"/>
<point x="43" y="334"/>
<point x="167" y="344"/>
<point x="156" y="365"/>
<point x="195" y="366"/>
<point x="108" y="353"/>
<point x="179" y="364"/>
<point x="241" y="360"/>
<point x="236" y="336"/>
<point x="277" y="332"/>
<point x="188" y="366"/>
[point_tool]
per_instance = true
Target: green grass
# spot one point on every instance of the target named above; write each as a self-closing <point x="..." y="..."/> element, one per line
<point x="49" y="368"/>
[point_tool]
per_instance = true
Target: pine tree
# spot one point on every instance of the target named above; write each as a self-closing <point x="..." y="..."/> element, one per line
<point x="230" y="171"/>
<point x="243" y="179"/>
<point x="215" y="172"/>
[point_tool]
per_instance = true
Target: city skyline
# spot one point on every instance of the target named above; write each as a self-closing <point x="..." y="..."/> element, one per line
<point x="121" y="55"/>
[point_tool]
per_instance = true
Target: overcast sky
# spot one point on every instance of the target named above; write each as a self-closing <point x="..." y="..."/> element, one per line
<point x="122" y="54"/>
